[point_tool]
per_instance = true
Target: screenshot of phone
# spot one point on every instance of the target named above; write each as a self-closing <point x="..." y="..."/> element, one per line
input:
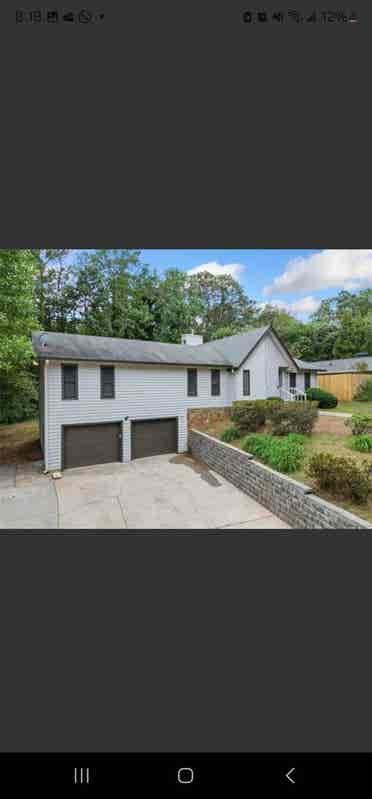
<point x="185" y="398"/>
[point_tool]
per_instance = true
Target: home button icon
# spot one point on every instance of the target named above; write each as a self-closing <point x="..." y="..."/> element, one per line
<point x="185" y="775"/>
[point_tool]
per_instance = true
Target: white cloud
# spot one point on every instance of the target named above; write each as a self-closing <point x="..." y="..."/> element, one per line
<point x="346" y="269"/>
<point x="303" y="307"/>
<point x="214" y="268"/>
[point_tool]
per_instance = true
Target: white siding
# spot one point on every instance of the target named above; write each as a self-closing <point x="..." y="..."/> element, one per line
<point x="204" y="398"/>
<point x="275" y="357"/>
<point x="263" y="364"/>
<point x="141" y="392"/>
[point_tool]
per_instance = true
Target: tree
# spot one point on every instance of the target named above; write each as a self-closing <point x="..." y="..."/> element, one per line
<point x="17" y="309"/>
<point x="177" y="307"/>
<point x="288" y="328"/>
<point x="221" y="303"/>
<point x="354" y="335"/>
<point x="104" y="289"/>
<point x="18" y="396"/>
<point x="54" y="293"/>
<point x="317" y="341"/>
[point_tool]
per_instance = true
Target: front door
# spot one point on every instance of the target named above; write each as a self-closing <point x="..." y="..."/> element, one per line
<point x="292" y="380"/>
<point x="307" y="381"/>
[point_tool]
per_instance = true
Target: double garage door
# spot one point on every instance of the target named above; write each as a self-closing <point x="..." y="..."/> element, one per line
<point x="89" y="444"/>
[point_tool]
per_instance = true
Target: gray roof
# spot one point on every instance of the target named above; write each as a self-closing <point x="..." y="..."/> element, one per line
<point x="235" y="349"/>
<point x="230" y="351"/>
<point x="342" y="364"/>
<point x="307" y="365"/>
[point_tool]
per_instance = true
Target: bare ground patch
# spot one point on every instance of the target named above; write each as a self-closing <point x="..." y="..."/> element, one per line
<point x="20" y="442"/>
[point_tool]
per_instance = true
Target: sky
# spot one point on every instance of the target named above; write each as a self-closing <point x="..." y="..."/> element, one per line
<point x="296" y="280"/>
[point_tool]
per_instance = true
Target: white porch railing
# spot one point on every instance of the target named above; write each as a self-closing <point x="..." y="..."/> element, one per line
<point x="291" y="394"/>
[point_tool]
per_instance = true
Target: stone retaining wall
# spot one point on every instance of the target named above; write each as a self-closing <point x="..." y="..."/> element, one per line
<point x="293" y="502"/>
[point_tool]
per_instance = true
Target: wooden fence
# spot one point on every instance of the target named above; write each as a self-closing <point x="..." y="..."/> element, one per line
<point x="342" y="384"/>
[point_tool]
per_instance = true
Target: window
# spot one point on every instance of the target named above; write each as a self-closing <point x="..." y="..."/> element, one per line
<point x="215" y="382"/>
<point x="192" y="383"/>
<point x="292" y="379"/>
<point x="307" y="381"/>
<point x="246" y="382"/>
<point x="107" y="382"/>
<point x="69" y="382"/>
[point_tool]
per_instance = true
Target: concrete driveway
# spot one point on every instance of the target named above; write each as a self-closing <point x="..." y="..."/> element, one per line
<point x="163" y="492"/>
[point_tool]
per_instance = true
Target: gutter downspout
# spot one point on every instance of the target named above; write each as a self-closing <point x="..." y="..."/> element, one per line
<point x="46" y="438"/>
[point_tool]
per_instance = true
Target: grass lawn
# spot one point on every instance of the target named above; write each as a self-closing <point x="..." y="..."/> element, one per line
<point x="329" y="436"/>
<point x="20" y="442"/>
<point x="352" y="407"/>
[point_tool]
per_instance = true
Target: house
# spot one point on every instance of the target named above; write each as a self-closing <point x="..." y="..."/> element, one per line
<point x="342" y="365"/>
<point x="343" y="376"/>
<point x="109" y="399"/>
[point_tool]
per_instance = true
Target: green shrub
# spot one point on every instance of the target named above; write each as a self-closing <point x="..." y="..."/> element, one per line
<point x="257" y="444"/>
<point x="361" y="443"/>
<point x="364" y="391"/>
<point x="340" y="476"/>
<point x="269" y="405"/>
<point x="324" y="398"/>
<point x="274" y="399"/>
<point x="360" y="423"/>
<point x="283" y="454"/>
<point x="291" y="417"/>
<point x="248" y="415"/>
<point x="230" y="433"/>
<point x="361" y="366"/>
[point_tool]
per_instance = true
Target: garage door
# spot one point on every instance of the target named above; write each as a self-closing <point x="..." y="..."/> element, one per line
<point x="154" y="437"/>
<point x="88" y="444"/>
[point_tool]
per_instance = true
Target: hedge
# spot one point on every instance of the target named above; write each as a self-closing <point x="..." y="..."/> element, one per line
<point x="292" y="417"/>
<point x="324" y="398"/>
<point x="340" y="476"/>
<point x="248" y="415"/>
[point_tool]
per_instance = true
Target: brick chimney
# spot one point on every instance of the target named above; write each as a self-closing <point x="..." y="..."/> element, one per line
<point x="191" y="339"/>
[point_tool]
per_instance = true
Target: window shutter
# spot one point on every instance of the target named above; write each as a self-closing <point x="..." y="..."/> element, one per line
<point x="107" y="382"/>
<point x="215" y="382"/>
<point x="69" y="382"/>
<point x="192" y="382"/>
<point x="246" y="383"/>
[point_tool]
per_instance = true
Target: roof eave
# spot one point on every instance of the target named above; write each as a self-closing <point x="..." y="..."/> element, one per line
<point x="76" y="358"/>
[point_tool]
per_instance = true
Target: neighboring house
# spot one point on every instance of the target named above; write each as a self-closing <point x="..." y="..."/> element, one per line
<point x="344" y="364"/>
<point x="109" y="399"/>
